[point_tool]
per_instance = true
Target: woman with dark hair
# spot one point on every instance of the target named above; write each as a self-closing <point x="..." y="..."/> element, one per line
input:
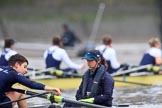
<point x="97" y="84"/>
<point x="9" y="75"/>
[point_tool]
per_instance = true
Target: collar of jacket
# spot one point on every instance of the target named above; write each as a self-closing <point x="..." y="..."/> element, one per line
<point x="96" y="80"/>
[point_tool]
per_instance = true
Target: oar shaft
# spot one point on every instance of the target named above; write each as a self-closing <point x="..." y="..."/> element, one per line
<point x="84" y="104"/>
<point x="30" y="92"/>
<point x="41" y="70"/>
<point x="131" y="70"/>
<point x="32" y="69"/>
<point x="36" y="95"/>
<point x="55" y="72"/>
<point x="130" y="82"/>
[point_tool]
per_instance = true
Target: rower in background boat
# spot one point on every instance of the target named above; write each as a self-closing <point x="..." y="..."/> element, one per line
<point x="7" y="52"/>
<point x="55" y="54"/>
<point x="110" y="56"/>
<point x="153" y="55"/>
<point x="69" y="37"/>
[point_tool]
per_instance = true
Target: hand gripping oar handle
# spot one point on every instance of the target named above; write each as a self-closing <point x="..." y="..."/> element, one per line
<point x="54" y="98"/>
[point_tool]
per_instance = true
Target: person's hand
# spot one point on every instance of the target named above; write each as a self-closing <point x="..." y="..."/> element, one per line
<point x="82" y="66"/>
<point x="89" y="100"/>
<point x="56" y="91"/>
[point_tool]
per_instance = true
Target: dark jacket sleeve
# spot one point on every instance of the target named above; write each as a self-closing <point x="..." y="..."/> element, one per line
<point x="26" y="82"/>
<point x="79" y="92"/>
<point x="108" y="86"/>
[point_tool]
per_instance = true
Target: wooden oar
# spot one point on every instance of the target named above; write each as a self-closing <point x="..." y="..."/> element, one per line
<point x="130" y="82"/>
<point x="131" y="70"/>
<point x="53" y="98"/>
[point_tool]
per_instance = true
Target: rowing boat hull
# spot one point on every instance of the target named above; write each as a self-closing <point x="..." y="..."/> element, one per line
<point x="126" y="81"/>
<point x="147" y="79"/>
<point x="66" y="83"/>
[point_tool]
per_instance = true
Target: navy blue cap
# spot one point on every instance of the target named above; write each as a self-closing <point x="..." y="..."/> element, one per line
<point x="91" y="56"/>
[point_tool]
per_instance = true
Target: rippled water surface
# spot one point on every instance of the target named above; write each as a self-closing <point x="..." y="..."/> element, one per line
<point x="140" y="96"/>
<point x="136" y="97"/>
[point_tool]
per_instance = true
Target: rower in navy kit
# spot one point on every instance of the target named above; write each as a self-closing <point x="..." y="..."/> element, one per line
<point x="153" y="55"/>
<point x="55" y="54"/>
<point x="97" y="84"/>
<point x="9" y="75"/>
<point x="7" y="52"/>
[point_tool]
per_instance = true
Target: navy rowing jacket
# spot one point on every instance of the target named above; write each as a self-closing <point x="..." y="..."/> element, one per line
<point x="8" y="77"/>
<point x="105" y="89"/>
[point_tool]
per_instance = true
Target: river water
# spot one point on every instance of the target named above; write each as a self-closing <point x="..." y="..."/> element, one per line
<point x="136" y="97"/>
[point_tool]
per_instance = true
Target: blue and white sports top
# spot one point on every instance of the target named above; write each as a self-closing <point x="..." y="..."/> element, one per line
<point x="150" y="55"/>
<point x="55" y="55"/>
<point x="110" y="56"/>
<point x="5" y="55"/>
